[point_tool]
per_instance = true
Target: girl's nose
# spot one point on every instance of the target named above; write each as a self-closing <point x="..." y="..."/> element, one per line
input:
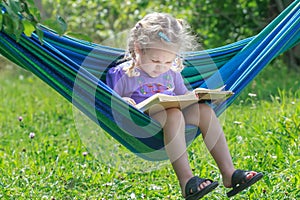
<point x="160" y="66"/>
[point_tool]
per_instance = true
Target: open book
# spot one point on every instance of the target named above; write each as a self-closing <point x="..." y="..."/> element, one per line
<point x="159" y="102"/>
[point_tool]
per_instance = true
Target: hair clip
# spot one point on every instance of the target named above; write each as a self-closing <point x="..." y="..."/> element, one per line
<point x="138" y="25"/>
<point x="163" y="36"/>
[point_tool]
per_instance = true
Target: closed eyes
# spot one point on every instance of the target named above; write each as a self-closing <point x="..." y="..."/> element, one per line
<point x="158" y="62"/>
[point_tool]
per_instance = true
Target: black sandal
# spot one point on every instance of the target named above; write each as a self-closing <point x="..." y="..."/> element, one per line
<point x="192" y="191"/>
<point x="240" y="182"/>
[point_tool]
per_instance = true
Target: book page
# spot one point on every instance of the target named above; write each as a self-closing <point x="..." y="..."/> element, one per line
<point x="196" y="90"/>
<point x="159" y="102"/>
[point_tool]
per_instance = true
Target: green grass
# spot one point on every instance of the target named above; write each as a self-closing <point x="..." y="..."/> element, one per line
<point x="262" y="132"/>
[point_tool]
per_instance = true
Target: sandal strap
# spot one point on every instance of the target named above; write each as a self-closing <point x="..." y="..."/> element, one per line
<point x="192" y="186"/>
<point x="238" y="177"/>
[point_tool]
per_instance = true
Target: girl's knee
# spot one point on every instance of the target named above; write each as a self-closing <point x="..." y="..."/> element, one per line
<point x="175" y="116"/>
<point x="174" y="113"/>
<point x="205" y="108"/>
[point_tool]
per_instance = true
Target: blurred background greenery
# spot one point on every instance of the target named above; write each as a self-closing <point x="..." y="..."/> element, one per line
<point x="263" y="122"/>
<point x="216" y="23"/>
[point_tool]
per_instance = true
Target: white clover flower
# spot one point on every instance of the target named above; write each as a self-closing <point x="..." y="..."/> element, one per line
<point x="132" y="196"/>
<point x="237" y="122"/>
<point x="252" y="95"/>
<point x="31" y="135"/>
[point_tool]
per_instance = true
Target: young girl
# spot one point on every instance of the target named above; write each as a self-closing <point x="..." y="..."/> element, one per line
<point x="153" y="66"/>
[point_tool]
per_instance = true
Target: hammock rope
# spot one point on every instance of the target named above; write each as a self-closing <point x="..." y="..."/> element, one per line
<point x="76" y="69"/>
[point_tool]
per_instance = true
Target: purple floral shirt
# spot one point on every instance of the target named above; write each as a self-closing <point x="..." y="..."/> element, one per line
<point x="143" y="86"/>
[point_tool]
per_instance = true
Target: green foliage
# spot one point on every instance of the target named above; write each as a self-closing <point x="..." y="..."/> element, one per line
<point x="97" y="19"/>
<point x="262" y="133"/>
<point x="215" y="22"/>
<point x="18" y="17"/>
<point x="59" y="25"/>
<point x="21" y="16"/>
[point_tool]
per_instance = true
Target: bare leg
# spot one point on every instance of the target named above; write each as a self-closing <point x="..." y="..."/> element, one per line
<point x="173" y="123"/>
<point x="213" y="137"/>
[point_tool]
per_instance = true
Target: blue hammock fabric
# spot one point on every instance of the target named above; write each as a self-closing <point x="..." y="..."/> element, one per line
<point x="76" y="69"/>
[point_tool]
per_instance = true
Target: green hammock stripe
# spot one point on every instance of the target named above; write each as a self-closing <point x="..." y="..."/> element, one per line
<point x="76" y="70"/>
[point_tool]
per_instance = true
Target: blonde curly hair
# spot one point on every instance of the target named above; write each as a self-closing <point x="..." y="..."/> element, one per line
<point x="163" y="29"/>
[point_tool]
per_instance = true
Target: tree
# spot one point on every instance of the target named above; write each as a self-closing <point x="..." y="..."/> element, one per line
<point x="22" y="16"/>
<point x="215" y="22"/>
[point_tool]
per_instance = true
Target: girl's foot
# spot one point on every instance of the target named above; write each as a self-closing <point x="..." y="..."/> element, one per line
<point x="241" y="180"/>
<point x="197" y="187"/>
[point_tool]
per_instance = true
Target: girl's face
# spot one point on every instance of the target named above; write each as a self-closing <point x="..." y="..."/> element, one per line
<point x="155" y="61"/>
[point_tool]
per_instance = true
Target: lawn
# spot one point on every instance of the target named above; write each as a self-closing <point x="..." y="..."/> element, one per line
<point x="42" y="155"/>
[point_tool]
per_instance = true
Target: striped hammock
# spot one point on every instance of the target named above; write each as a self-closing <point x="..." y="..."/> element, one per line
<point x="76" y="69"/>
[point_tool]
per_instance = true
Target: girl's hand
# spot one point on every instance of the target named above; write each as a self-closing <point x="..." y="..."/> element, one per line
<point x="129" y="100"/>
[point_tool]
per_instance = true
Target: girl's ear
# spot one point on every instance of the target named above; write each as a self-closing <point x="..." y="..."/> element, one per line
<point x="137" y="48"/>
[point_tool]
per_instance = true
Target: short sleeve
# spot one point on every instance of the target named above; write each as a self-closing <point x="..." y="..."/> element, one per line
<point x="180" y="87"/>
<point x="113" y="78"/>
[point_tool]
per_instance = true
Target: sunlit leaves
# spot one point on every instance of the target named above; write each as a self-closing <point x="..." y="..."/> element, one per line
<point x="21" y="16"/>
<point x="28" y="28"/>
<point x="17" y="17"/>
<point x="59" y="24"/>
